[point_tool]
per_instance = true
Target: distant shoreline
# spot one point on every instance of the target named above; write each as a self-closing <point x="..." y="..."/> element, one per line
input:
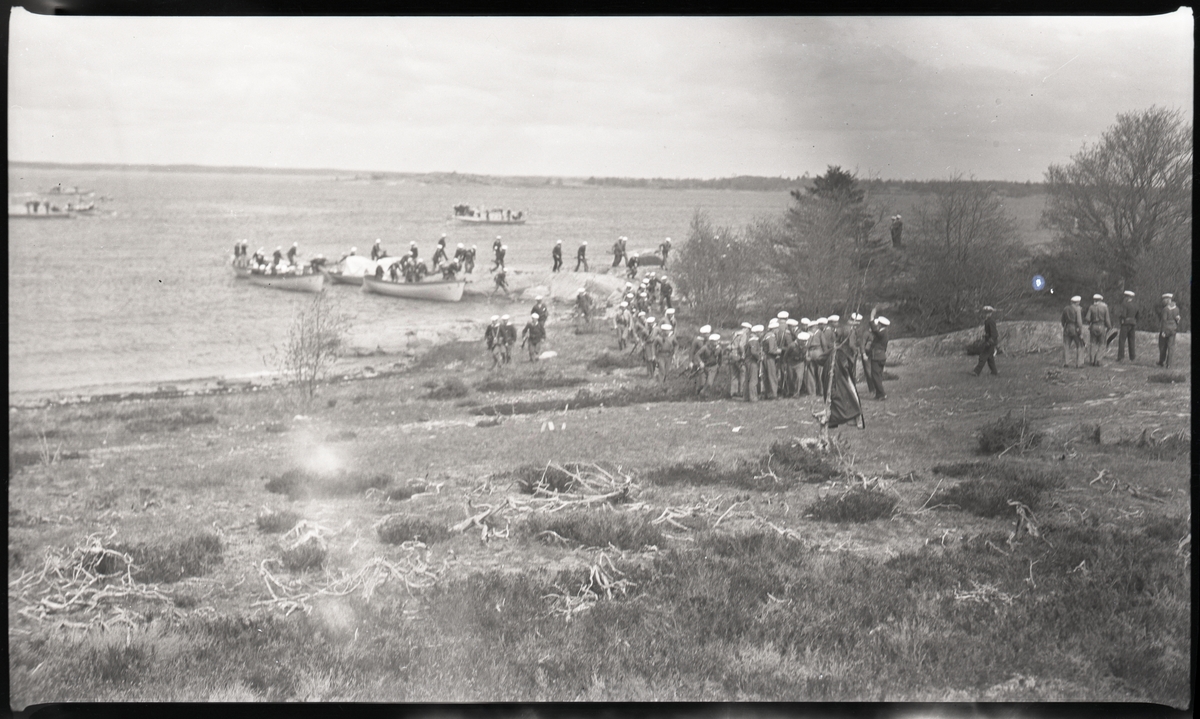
<point x="749" y="183"/>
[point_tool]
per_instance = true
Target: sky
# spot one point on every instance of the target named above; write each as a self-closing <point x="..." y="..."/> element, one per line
<point x="700" y="97"/>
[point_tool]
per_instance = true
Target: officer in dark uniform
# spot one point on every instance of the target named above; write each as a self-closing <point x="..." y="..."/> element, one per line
<point x="508" y="337"/>
<point x="1127" y="317"/>
<point x="665" y="249"/>
<point x="991" y="340"/>
<point x="556" y="254"/>
<point x="879" y="341"/>
<point x="581" y="257"/>
<point x="494" y="342"/>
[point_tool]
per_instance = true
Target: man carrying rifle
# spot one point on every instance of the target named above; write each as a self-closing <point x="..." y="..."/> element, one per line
<point x="508" y="337"/>
<point x="737" y="360"/>
<point x="754" y="358"/>
<point x="709" y="358"/>
<point x="532" y="335"/>
<point x="665" y="345"/>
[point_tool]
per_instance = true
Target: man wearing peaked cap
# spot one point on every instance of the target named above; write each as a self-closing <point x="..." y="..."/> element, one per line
<point x="508" y="337"/>
<point x="770" y="363"/>
<point x="492" y="337"/>
<point x="1072" y="324"/>
<point x="1098" y="320"/>
<point x="697" y="343"/>
<point x="1168" y="324"/>
<point x="991" y="340"/>
<point x="1126" y="319"/>
<point x="878" y="353"/>
<point x="737" y="360"/>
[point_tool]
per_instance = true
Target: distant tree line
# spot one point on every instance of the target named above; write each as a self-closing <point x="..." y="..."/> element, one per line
<point x="1120" y="212"/>
<point x="741" y="182"/>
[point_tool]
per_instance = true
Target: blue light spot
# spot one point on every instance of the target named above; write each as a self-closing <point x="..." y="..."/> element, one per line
<point x="1039" y="283"/>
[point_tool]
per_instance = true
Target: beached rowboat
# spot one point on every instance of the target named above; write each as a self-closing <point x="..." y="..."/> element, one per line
<point x="339" y="277"/>
<point x="436" y="290"/>
<point x="294" y="283"/>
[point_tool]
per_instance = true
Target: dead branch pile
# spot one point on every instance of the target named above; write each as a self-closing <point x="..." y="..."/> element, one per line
<point x="598" y="486"/>
<point x="599" y="582"/>
<point x="707" y="508"/>
<point x="297" y="593"/>
<point x="82" y="587"/>
<point x="982" y="593"/>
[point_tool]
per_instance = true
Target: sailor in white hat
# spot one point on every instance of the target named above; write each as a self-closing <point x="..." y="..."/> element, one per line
<point x="1099" y="321"/>
<point x="581" y="257"/>
<point x="1072" y="324"/>
<point x="877" y="356"/>
<point x="1168" y="325"/>
<point x="556" y="256"/>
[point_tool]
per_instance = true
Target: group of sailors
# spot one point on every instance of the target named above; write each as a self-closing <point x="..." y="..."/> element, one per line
<point x="654" y="291"/>
<point x="279" y="263"/>
<point x="786" y="358"/>
<point x="1102" y="324"/>
<point x="410" y="268"/>
<point x="620" y="252"/>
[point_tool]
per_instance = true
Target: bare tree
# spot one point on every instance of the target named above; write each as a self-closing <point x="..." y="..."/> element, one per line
<point x="314" y="341"/>
<point x="1126" y="194"/>
<point x="966" y="253"/>
<point x="719" y="271"/>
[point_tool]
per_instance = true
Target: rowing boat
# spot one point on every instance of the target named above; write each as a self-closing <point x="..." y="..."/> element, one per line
<point x="293" y="283"/>
<point x="436" y="290"/>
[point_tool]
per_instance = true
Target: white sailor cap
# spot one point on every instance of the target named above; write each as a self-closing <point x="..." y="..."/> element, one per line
<point x="495" y="318"/>
<point x="883" y="321"/>
<point x="855" y="317"/>
<point x="413" y="242"/>
<point x="295" y="244"/>
<point x="581" y="290"/>
<point x="497" y="237"/>
<point x="756" y="328"/>
<point x="460" y="244"/>
<point x="278" y="247"/>
<point x="773" y="323"/>
<point x="352" y="250"/>
<point x="665" y="326"/>
<point x="1168" y="296"/>
<point x="443" y="234"/>
<point x="537" y="299"/>
<point x="803" y="336"/>
<point x="989" y="308"/>
<point x="623" y="304"/>
<point x="504" y="247"/>
<point x="822" y="321"/>
<point x="805" y="321"/>
<point x="834" y="318"/>
<point x="1097" y="296"/>
<point x="649" y="320"/>
<point x="662" y="279"/>
<point x="668" y="240"/>
<point x="670" y="310"/>
<point x="1129" y="293"/>
<point x="705" y="329"/>
<point x="714" y="338"/>
<point x="533" y="315"/>
<point x="558" y="242"/>
<point x="1077" y="298"/>
<point x="782" y="315"/>
<point x="504" y="317"/>
<point x="747" y="325"/>
<point x="793" y="323"/>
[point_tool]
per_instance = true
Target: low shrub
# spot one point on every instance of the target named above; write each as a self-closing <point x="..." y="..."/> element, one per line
<point x="165" y="563"/>
<point x="1167" y="377"/>
<point x="1168" y="529"/>
<point x="697" y="474"/>
<point x="309" y="554"/>
<point x="301" y="483"/>
<point x="273" y="521"/>
<point x="550" y="478"/>
<point x="397" y="529"/>
<point x="608" y="361"/>
<point x="992" y="485"/>
<point x="450" y="388"/>
<point x="594" y="529"/>
<point x="1006" y="433"/>
<point x="451" y="354"/>
<point x="535" y="381"/>
<point x="803" y="461"/>
<point x="171" y="422"/>
<point x="856" y="505"/>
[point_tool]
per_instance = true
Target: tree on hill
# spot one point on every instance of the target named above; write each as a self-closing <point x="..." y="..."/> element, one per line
<point x="718" y="271"/>
<point x="1122" y="208"/>
<point x="966" y="253"/>
<point x="836" y="184"/>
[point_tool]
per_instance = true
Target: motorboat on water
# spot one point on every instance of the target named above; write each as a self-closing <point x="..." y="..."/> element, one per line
<point x="57" y="203"/>
<point x="496" y="216"/>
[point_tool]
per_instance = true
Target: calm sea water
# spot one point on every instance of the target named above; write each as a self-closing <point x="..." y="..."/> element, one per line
<point x="142" y="293"/>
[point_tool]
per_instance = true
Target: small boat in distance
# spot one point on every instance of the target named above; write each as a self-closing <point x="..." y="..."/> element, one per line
<point x="57" y="203"/>
<point x="497" y="216"/>
<point x="435" y="290"/>
<point x="313" y="282"/>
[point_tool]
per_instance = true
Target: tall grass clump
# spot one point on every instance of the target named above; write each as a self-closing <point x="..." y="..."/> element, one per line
<point x="988" y="488"/>
<point x="1167" y="377"/>
<point x="166" y="562"/>
<point x="275" y="521"/>
<point x="803" y="461"/>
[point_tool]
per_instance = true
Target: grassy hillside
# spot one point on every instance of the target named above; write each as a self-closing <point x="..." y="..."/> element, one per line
<point x="573" y="531"/>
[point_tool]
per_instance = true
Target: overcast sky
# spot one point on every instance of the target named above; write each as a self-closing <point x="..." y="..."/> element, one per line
<point x="906" y="98"/>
